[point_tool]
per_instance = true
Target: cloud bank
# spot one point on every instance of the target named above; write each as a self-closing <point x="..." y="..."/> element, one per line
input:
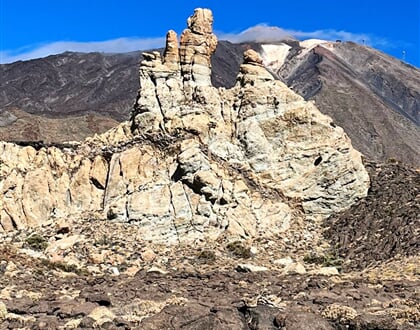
<point x="266" y="33"/>
<point x="121" y="45"/>
<point x="257" y="33"/>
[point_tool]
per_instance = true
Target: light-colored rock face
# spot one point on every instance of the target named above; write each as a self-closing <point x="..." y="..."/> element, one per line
<point x="196" y="161"/>
<point x="198" y="43"/>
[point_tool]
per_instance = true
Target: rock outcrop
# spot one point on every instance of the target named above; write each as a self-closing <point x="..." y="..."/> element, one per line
<point x="195" y="161"/>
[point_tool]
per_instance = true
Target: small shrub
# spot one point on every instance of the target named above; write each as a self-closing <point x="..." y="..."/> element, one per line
<point x="207" y="256"/>
<point x="103" y="241"/>
<point x="63" y="267"/>
<point x="329" y="259"/>
<point x="37" y="242"/>
<point x="239" y="250"/>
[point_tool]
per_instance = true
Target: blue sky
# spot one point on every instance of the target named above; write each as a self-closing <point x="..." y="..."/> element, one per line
<point x="36" y="28"/>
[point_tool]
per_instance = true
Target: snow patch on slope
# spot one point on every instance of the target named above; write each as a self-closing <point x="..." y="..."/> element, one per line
<point x="274" y="56"/>
<point x="310" y="44"/>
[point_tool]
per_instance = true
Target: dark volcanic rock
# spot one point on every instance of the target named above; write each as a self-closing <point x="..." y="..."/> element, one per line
<point x="213" y="301"/>
<point x="302" y="320"/>
<point x="383" y="225"/>
<point x="194" y="317"/>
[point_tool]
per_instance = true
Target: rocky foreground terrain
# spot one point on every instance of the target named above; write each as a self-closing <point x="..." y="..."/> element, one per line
<point x="100" y="274"/>
<point x="212" y="208"/>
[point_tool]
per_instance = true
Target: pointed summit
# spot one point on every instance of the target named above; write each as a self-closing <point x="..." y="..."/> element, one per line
<point x="198" y="43"/>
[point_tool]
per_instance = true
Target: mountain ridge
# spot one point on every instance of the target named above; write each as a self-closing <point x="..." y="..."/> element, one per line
<point x="376" y="124"/>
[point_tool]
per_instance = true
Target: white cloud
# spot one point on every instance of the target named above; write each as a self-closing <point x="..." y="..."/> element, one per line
<point x="258" y="33"/>
<point x="120" y="45"/>
<point x="266" y="33"/>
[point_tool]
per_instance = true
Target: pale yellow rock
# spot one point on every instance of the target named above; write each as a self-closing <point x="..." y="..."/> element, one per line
<point x="158" y="270"/>
<point x="326" y="271"/>
<point x="3" y="311"/>
<point x="198" y="43"/>
<point x="132" y="271"/>
<point x="283" y="261"/>
<point x="64" y="243"/>
<point x="20" y="319"/>
<point x="201" y="21"/>
<point x="339" y="313"/>
<point x="148" y="255"/>
<point x="171" y="55"/>
<point x="101" y="315"/>
<point x="252" y="57"/>
<point x="195" y="161"/>
<point x="73" y="324"/>
<point x="295" y="268"/>
<point x="36" y="199"/>
<point x="99" y="172"/>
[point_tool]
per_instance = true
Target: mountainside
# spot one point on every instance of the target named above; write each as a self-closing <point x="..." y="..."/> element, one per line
<point x="374" y="97"/>
<point x="210" y="208"/>
<point x="71" y="84"/>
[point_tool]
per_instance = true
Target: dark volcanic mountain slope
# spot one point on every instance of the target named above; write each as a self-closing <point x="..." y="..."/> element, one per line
<point x="18" y="125"/>
<point x="374" y="97"/>
<point x="71" y="84"/>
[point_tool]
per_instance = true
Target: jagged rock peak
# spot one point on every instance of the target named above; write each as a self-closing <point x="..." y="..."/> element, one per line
<point x="198" y="43"/>
<point x="252" y="57"/>
<point x="201" y="21"/>
<point x="196" y="161"/>
<point x="252" y="69"/>
<point x="171" y="54"/>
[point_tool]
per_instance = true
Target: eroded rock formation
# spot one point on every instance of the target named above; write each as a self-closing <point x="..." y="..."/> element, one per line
<point x="195" y="161"/>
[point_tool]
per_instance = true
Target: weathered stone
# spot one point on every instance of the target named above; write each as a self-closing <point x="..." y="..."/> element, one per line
<point x="198" y="43"/>
<point x="340" y="313"/>
<point x="157" y="270"/>
<point x="303" y="320"/>
<point x="195" y="316"/>
<point x="283" y="261"/>
<point x="148" y="255"/>
<point x="252" y="57"/>
<point x="195" y="161"/>
<point x="101" y="315"/>
<point x="249" y="268"/>
<point x="327" y="271"/>
<point x="171" y="55"/>
<point x="295" y="268"/>
<point x="3" y="311"/>
<point x="64" y="243"/>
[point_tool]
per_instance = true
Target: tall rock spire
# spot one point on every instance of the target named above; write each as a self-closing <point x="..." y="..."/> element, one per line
<point x="170" y="85"/>
<point x="198" y="43"/>
<point x="171" y="53"/>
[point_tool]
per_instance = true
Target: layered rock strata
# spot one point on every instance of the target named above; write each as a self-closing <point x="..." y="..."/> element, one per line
<point x="195" y="161"/>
